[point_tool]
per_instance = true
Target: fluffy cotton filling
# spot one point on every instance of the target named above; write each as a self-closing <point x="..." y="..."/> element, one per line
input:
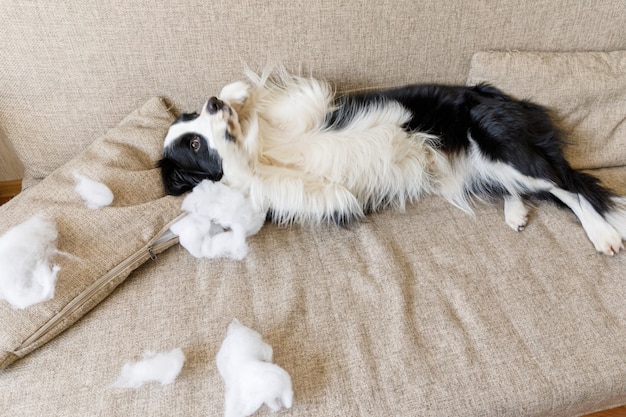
<point x="219" y="220"/>
<point x="251" y="379"/>
<point x="26" y="276"/>
<point x="160" y="367"/>
<point x="95" y="194"/>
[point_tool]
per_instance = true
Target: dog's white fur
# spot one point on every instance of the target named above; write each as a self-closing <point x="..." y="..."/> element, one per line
<point x="285" y="158"/>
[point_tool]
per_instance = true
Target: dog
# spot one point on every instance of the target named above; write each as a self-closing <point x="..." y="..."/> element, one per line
<point x="309" y="155"/>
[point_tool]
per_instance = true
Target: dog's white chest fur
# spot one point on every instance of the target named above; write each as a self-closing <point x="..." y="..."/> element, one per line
<point x="288" y="160"/>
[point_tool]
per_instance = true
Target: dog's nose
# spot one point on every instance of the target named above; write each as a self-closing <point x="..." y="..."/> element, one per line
<point x="214" y="105"/>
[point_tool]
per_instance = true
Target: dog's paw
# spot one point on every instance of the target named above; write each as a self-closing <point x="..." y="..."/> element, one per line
<point x="517" y="223"/>
<point x="236" y="94"/>
<point x="606" y="240"/>
<point x="515" y="213"/>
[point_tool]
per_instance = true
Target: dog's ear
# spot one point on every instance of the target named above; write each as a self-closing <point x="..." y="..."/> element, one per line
<point x="176" y="180"/>
<point x="236" y="94"/>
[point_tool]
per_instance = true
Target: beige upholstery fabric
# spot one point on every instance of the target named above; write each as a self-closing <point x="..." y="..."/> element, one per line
<point x="70" y="71"/>
<point x="588" y="89"/>
<point x="96" y="241"/>
<point x="428" y="313"/>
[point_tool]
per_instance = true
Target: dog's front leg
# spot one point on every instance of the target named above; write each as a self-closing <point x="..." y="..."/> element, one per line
<point x="297" y="197"/>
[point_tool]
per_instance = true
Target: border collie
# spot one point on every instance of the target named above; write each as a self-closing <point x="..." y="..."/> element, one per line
<point x="308" y="155"/>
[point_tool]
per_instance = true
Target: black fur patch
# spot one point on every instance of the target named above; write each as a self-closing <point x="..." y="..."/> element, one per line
<point x="515" y="132"/>
<point x="182" y="168"/>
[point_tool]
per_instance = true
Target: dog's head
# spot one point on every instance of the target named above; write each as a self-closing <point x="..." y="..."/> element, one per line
<point x="190" y="149"/>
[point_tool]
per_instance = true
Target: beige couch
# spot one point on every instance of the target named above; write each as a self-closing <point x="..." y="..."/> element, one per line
<point x="430" y="312"/>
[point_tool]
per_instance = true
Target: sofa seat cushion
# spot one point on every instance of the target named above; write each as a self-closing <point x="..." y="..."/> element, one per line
<point x="429" y="312"/>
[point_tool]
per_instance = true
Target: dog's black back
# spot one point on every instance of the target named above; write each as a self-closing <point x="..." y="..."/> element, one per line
<point x="515" y="132"/>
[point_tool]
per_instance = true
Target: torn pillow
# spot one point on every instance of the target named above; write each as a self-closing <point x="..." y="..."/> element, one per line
<point x="26" y="276"/>
<point x="251" y="379"/>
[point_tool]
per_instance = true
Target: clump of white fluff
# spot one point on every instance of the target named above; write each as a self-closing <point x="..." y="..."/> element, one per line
<point x="219" y="220"/>
<point x="160" y="367"/>
<point x="26" y="276"/>
<point x="95" y="194"/>
<point x="251" y="379"/>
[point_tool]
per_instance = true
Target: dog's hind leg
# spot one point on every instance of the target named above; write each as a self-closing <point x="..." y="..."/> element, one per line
<point x="602" y="234"/>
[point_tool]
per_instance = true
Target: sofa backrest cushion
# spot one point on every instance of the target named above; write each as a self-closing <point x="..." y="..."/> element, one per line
<point x="586" y="91"/>
<point x="71" y="71"/>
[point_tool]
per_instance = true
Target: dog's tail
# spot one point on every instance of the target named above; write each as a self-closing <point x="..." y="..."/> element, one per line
<point x="601" y="198"/>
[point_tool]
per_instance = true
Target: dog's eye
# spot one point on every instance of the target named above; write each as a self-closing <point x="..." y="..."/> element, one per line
<point x="195" y="144"/>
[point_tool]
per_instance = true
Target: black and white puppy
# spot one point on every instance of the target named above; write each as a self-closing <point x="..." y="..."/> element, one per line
<point x="308" y="155"/>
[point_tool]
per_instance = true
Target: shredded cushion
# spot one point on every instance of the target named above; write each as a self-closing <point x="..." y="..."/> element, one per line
<point x="97" y="245"/>
<point x="161" y="367"/>
<point x="587" y="90"/>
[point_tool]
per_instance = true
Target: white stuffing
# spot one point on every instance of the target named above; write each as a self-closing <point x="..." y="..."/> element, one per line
<point x="26" y="276"/>
<point x="95" y="194"/>
<point x="160" y="367"/>
<point x="219" y="220"/>
<point x="250" y="377"/>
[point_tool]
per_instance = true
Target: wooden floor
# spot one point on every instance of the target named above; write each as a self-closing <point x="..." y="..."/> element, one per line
<point x="9" y="189"/>
<point x="616" y="412"/>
